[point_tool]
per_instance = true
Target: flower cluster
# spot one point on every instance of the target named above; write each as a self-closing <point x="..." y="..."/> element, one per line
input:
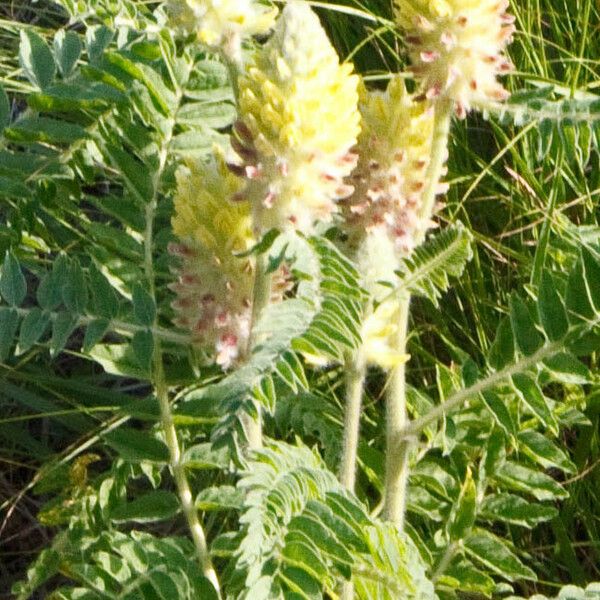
<point x="377" y="259"/>
<point x="298" y="123"/>
<point x="220" y="23"/>
<point x="394" y="149"/>
<point x="457" y="46"/>
<point x="214" y="286"/>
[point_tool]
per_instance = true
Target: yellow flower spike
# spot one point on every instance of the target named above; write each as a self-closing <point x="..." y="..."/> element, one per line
<point x="457" y="46"/>
<point x="377" y="260"/>
<point x="394" y="152"/>
<point x="220" y="23"/>
<point x="214" y="286"/>
<point x="379" y="334"/>
<point x="299" y="122"/>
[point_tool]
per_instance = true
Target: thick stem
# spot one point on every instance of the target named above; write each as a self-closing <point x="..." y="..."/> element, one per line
<point x="355" y="368"/>
<point x="261" y="296"/>
<point x="397" y="448"/>
<point x="398" y="445"/>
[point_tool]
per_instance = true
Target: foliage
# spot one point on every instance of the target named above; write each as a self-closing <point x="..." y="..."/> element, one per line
<point x="100" y="102"/>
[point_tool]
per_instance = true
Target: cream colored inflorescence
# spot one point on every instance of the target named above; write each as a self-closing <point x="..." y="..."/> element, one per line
<point x="394" y="149"/>
<point x="385" y="216"/>
<point x="298" y="124"/>
<point x="457" y="47"/>
<point x="221" y="23"/>
<point x="214" y="286"/>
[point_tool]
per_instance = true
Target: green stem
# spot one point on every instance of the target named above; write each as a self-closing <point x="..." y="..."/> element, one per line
<point x="122" y="327"/>
<point x="445" y="561"/>
<point x="260" y="299"/>
<point x="397" y="448"/>
<point x="179" y="475"/>
<point x="356" y="369"/>
<point x="166" y="416"/>
<point x="458" y="398"/>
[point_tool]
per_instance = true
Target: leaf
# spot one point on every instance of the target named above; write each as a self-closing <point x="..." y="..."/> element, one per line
<point x="529" y="481"/>
<point x="14" y="188"/>
<point x="464" y="576"/>
<point x="136" y="174"/>
<point x="223" y="497"/>
<point x="197" y="143"/>
<point x="201" y="114"/>
<point x="579" y="307"/>
<point x="204" y="456"/>
<point x="5" y="109"/>
<point x="74" y="288"/>
<point x="94" y="333"/>
<point x="62" y="328"/>
<point x="74" y="97"/>
<point x="530" y="393"/>
<point x="45" y="129"/>
<point x="136" y="446"/>
<point x="67" y="49"/>
<point x="143" y="348"/>
<point x="490" y="551"/>
<point x="48" y="293"/>
<point x="502" y="351"/>
<point x="551" y="310"/>
<point x="118" y="359"/>
<point x="97" y="39"/>
<point x="591" y="270"/>
<point x="527" y="338"/>
<point x="516" y="510"/>
<point x="565" y="368"/>
<point x="500" y="412"/>
<point x="33" y="326"/>
<point x="9" y="322"/>
<point x="157" y="505"/>
<point x="13" y="287"/>
<point x="544" y="452"/>
<point x="104" y="301"/>
<point x="144" y="309"/>
<point x="427" y="271"/>
<point x="462" y="516"/>
<point x="36" y="59"/>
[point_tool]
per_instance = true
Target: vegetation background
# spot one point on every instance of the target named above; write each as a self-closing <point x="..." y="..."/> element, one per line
<point x="527" y="200"/>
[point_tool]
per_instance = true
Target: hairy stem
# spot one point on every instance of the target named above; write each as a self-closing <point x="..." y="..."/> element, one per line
<point x="397" y="444"/>
<point x="261" y="296"/>
<point x="355" y="369"/>
<point x="397" y="448"/>
<point x="489" y="382"/>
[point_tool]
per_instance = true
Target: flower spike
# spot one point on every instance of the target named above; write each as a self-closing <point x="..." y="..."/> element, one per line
<point x="299" y="122"/>
<point x="222" y="23"/>
<point x="394" y="150"/>
<point x="214" y="287"/>
<point x="456" y="48"/>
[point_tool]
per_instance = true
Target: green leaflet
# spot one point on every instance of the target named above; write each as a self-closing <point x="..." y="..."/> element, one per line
<point x="427" y="272"/>
<point x="300" y="527"/>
